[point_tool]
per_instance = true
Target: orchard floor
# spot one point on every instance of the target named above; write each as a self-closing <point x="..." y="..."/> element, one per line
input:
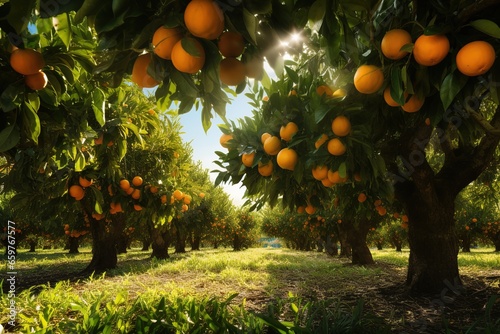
<point x="261" y="276"/>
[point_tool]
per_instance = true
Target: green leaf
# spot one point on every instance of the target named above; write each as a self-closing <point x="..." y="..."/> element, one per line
<point x="251" y="24"/>
<point x="9" y="137"/>
<point x="316" y="14"/>
<point x="343" y="170"/>
<point x="99" y="105"/>
<point x="397" y="91"/>
<point x="9" y="100"/>
<point x="292" y="74"/>
<point x="79" y="162"/>
<point x="451" y="86"/>
<point x="20" y="14"/>
<point x="89" y="7"/>
<point x="486" y="26"/>
<point x="135" y="130"/>
<point x="190" y="45"/>
<point x="258" y="6"/>
<point x="31" y="122"/>
<point x="63" y="28"/>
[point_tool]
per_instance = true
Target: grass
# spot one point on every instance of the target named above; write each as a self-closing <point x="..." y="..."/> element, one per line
<point x="250" y="289"/>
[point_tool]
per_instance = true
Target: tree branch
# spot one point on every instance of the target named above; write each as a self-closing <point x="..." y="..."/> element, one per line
<point x="477" y="7"/>
<point x="483" y="122"/>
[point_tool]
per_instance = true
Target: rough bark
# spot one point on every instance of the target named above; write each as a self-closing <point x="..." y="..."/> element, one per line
<point x="160" y="240"/>
<point x="466" y="241"/>
<point x="145" y="244"/>
<point x="180" y="240"/>
<point x="104" y="254"/>
<point x="73" y="245"/>
<point x="32" y="245"/>
<point x="331" y="247"/>
<point x="356" y="236"/>
<point x="345" y="246"/>
<point x="122" y="239"/>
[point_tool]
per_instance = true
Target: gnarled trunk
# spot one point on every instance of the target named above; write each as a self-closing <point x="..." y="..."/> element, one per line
<point x="73" y="245"/>
<point x="331" y="246"/>
<point x="122" y="239"/>
<point x="160" y="240"/>
<point x="196" y="240"/>
<point x="356" y="236"/>
<point x="104" y="254"/>
<point x="180" y="240"/>
<point x="466" y="242"/>
<point x="32" y="245"/>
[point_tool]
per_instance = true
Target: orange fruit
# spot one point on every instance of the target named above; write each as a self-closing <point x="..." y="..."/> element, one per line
<point x="310" y="209"/>
<point x="334" y="177"/>
<point x="204" y="18"/>
<point x="76" y="191"/>
<point x="404" y="225"/>
<point x="320" y="172"/>
<point x="84" y="182"/>
<point x="36" y="81"/>
<point x="130" y="191"/>
<point x="26" y="61"/>
<point x="474" y="220"/>
<point x="137" y="207"/>
<point x="357" y="177"/>
<point x="288" y="131"/>
<point x="321" y="140"/>
<point x="140" y="72"/>
<point x="247" y="159"/>
<point x="164" y="40"/>
<point x="427" y="121"/>
<point x="187" y="199"/>
<point x="300" y="209"/>
<point x="232" y="72"/>
<point x="413" y="104"/>
<point x="336" y="147"/>
<point x="272" y="145"/>
<point x="224" y="140"/>
<point x="185" y="62"/>
<point x="255" y="68"/>
<point x="124" y="184"/>
<point x="392" y="42"/>
<point x="99" y="140"/>
<point x="136" y="194"/>
<point x="265" y="169"/>
<point x="377" y="202"/>
<point x="287" y="158"/>
<point x="341" y="126"/>
<point x="324" y="90"/>
<point x="396" y="215"/>
<point x="475" y="58"/>
<point x="264" y="136"/>
<point x="137" y="181"/>
<point x="327" y="183"/>
<point x="381" y="210"/>
<point x="368" y="79"/>
<point x="163" y="199"/>
<point x="361" y="197"/>
<point x="231" y="44"/>
<point x="388" y="98"/>
<point x="153" y="189"/>
<point x="431" y="50"/>
<point x="178" y="195"/>
<point x="184" y="207"/>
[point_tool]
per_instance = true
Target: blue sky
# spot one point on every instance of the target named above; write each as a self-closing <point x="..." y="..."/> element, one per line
<point x="205" y="144"/>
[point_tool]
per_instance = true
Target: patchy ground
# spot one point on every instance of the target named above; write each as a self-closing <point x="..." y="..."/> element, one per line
<point x="311" y="276"/>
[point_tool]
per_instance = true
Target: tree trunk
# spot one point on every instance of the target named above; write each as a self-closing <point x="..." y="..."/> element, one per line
<point x="236" y="242"/>
<point x="466" y="242"/>
<point x="121" y="237"/>
<point x="104" y="254"/>
<point x="145" y="244"/>
<point x="160" y="241"/>
<point x="356" y="236"/>
<point x="433" y="262"/>
<point x="32" y="246"/>
<point x="331" y="246"/>
<point x="496" y="242"/>
<point x="345" y="247"/>
<point x="73" y="245"/>
<point x="379" y="246"/>
<point x="180" y="240"/>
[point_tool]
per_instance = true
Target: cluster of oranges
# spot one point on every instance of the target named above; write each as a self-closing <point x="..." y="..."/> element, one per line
<point x="204" y="21"/>
<point x="472" y="59"/>
<point x="29" y="63"/>
<point x="77" y="191"/>
<point x="73" y="233"/>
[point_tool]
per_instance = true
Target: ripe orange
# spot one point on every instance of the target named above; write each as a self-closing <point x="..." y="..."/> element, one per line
<point x="224" y="140"/>
<point x="140" y="72"/>
<point x="153" y="189"/>
<point x="84" y="182"/>
<point x="204" y="18"/>
<point x="431" y="50"/>
<point x="368" y="79"/>
<point x="334" y="177"/>
<point x="137" y="207"/>
<point x="163" y="199"/>
<point x="178" y="195"/>
<point x="310" y="209"/>
<point x="336" y="147"/>
<point x="388" y="98"/>
<point x="264" y="136"/>
<point x="186" y="62"/>
<point x="124" y="184"/>
<point x="184" y="207"/>
<point x="36" y="81"/>
<point x="327" y="183"/>
<point x="272" y="145"/>
<point x="136" y="194"/>
<point x="341" y="126"/>
<point x="320" y="172"/>
<point x="300" y="209"/>
<point x="357" y="177"/>
<point x="287" y="158"/>
<point x="26" y="61"/>
<point x="265" y="169"/>
<point x="247" y="159"/>
<point x="202" y="195"/>
<point x="187" y="199"/>
<point x="324" y="90"/>
<point x="231" y="44"/>
<point x="137" y="181"/>
<point x="164" y="40"/>
<point x="255" y="67"/>
<point x="321" y="140"/>
<point x="475" y="58"/>
<point x="232" y="72"/>
<point x="413" y="104"/>
<point x="361" y="197"/>
<point x="288" y="131"/>
<point x="130" y="191"/>
<point x="392" y="42"/>
<point x="381" y="210"/>
<point x="76" y="191"/>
